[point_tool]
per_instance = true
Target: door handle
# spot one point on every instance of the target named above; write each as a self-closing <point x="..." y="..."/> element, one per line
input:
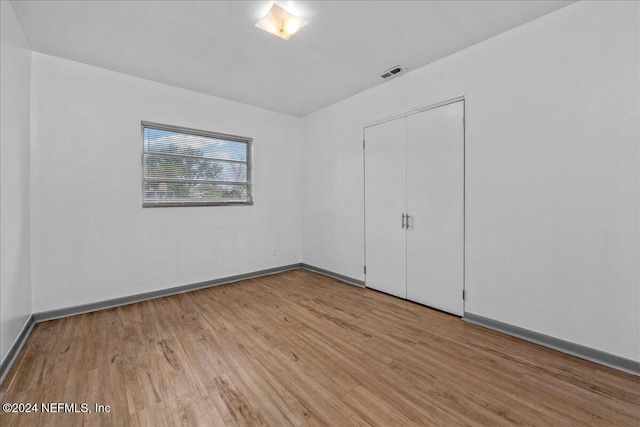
<point x="403" y="216"/>
<point x="407" y="225"/>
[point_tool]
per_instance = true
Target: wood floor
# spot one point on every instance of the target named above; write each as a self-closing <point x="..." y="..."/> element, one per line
<point x="301" y="349"/>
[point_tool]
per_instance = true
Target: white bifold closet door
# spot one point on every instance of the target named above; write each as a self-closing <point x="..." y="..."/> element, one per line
<point x="385" y="202"/>
<point x="435" y="204"/>
<point x="414" y="166"/>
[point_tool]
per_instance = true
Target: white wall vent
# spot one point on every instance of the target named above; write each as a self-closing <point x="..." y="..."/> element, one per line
<point x="393" y="71"/>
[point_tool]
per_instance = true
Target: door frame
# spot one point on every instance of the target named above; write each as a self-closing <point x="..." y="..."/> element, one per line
<point x="464" y="180"/>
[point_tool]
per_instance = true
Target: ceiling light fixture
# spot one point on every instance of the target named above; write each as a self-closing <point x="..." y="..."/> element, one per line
<point x="280" y="22"/>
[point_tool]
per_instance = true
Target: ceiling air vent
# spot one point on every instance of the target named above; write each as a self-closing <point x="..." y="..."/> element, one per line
<point x="392" y="71"/>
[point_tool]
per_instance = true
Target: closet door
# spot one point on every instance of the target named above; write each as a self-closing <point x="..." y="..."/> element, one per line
<point x="385" y="202"/>
<point x="435" y="203"/>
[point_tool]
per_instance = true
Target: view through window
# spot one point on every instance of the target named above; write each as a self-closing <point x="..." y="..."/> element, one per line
<point x="188" y="167"/>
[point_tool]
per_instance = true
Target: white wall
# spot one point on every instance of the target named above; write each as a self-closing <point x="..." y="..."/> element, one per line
<point x="552" y="173"/>
<point x="92" y="241"/>
<point x="15" y="246"/>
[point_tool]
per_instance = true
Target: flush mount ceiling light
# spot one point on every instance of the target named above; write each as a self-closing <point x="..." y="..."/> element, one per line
<point x="280" y="22"/>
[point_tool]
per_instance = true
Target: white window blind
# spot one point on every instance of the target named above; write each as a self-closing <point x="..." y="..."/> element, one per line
<point x="188" y="167"/>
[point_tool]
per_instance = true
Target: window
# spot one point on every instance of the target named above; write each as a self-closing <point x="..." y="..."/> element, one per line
<point x="188" y="167"/>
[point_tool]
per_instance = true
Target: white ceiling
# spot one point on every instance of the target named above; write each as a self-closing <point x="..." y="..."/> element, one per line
<point x="213" y="46"/>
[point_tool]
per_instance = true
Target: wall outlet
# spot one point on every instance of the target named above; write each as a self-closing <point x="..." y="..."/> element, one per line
<point x="274" y="250"/>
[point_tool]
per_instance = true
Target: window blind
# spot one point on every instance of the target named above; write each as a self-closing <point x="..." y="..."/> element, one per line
<point x="189" y="167"/>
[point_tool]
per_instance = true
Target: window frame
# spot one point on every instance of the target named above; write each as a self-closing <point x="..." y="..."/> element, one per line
<point x="196" y="132"/>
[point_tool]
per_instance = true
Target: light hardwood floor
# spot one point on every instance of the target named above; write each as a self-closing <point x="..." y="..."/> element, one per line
<point x="301" y="349"/>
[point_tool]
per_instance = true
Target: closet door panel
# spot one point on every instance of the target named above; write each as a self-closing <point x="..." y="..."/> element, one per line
<point x="385" y="202"/>
<point x="435" y="203"/>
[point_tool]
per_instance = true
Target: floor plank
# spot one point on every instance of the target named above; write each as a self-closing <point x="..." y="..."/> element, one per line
<point x="301" y="349"/>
